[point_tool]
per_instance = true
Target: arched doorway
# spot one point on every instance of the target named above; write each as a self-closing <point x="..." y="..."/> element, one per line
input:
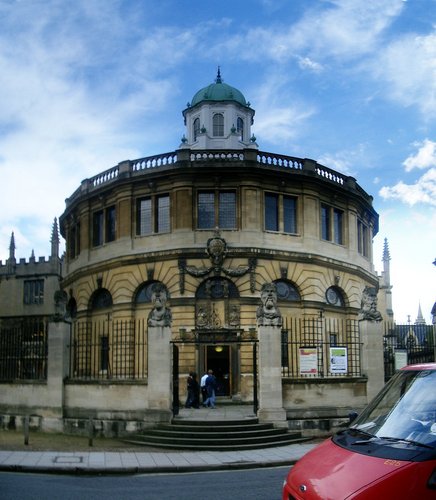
<point x="217" y="330"/>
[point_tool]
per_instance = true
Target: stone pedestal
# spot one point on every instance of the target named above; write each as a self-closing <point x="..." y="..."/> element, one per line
<point x="270" y="376"/>
<point x="159" y="371"/>
<point x="372" y="362"/>
<point x="57" y="371"/>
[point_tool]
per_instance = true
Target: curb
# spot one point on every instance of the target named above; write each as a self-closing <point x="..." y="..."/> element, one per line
<point x="105" y="471"/>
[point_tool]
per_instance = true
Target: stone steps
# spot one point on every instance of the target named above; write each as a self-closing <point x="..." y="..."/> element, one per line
<point x="215" y="435"/>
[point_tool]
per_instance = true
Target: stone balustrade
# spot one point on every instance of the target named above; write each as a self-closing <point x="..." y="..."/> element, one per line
<point x="178" y="158"/>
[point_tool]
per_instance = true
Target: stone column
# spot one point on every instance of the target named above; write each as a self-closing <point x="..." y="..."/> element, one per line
<point x="57" y="371"/>
<point x="372" y="362"/>
<point x="269" y="321"/>
<point x="270" y="376"/>
<point x="159" y="372"/>
<point x="159" y="356"/>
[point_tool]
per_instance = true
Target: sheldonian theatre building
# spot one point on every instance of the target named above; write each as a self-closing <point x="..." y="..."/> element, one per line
<point x="218" y="256"/>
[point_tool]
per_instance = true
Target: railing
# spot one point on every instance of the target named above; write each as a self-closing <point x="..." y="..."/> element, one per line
<point x="23" y="350"/>
<point x="320" y="348"/>
<point x="154" y="161"/>
<point x="111" y="350"/>
<point x="407" y="345"/>
<point x="142" y="165"/>
<point x="217" y="155"/>
<point x="280" y="160"/>
<point x="106" y="176"/>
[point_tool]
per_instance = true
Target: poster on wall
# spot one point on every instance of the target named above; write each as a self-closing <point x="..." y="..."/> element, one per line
<point x="308" y="361"/>
<point x="400" y="358"/>
<point x="338" y="360"/>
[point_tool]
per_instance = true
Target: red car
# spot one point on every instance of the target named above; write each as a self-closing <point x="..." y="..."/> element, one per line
<point x="389" y="451"/>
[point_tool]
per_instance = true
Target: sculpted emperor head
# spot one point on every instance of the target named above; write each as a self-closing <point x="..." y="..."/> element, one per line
<point x="268" y="313"/>
<point x="160" y="315"/>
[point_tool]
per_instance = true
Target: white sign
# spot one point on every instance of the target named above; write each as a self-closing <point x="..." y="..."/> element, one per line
<point x="308" y="361"/>
<point x="338" y="360"/>
<point x="400" y="358"/>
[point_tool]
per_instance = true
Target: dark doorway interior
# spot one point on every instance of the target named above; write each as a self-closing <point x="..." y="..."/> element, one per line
<point x="218" y="360"/>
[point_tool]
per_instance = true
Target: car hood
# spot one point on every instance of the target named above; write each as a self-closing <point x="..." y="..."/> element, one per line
<point x="332" y="472"/>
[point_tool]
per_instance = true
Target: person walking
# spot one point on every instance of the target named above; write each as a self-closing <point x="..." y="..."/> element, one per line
<point x="211" y="385"/>
<point x="203" y="387"/>
<point x="193" y="398"/>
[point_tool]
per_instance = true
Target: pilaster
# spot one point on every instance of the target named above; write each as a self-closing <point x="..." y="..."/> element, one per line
<point x="270" y="376"/>
<point x="371" y="335"/>
<point x="159" y="371"/>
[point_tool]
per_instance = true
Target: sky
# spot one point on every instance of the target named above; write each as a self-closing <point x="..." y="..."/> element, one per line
<point x="86" y="84"/>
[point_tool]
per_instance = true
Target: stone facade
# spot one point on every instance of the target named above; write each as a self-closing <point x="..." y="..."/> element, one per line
<point x="28" y="287"/>
<point x="211" y="224"/>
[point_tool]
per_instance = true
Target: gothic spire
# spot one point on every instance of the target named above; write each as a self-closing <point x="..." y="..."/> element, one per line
<point x="386" y="254"/>
<point x="386" y="264"/>
<point x="420" y="318"/>
<point x="55" y="239"/>
<point x="12" y="247"/>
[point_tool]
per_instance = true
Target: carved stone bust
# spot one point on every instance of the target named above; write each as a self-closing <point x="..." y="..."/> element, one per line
<point x="368" y="310"/>
<point x="160" y="315"/>
<point x="268" y="314"/>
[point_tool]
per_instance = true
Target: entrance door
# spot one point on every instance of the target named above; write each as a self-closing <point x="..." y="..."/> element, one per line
<point x="218" y="359"/>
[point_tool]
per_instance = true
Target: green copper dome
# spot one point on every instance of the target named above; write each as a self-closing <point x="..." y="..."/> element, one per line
<point x="219" y="91"/>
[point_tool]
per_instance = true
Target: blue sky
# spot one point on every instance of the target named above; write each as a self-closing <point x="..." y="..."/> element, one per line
<point x="86" y="84"/>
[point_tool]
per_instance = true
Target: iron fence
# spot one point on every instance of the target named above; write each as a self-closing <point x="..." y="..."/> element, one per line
<point x="112" y="350"/>
<point x="23" y="349"/>
<point x="407" y="345"/>
<point x="320" y="347"/>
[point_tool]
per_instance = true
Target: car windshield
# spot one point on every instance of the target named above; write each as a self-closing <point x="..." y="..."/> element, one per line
<point x="405" y="410"/>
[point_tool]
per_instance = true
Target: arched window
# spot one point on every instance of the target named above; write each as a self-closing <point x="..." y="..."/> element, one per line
<point x="240" y="128"/>
<point x="335" y="297"/>
<point x="101" y="299"/>
<point x="218" y="125"/>
<point x="286" y="291"/>
<point x="196" y="128"/>
<point x="144" y="292"/>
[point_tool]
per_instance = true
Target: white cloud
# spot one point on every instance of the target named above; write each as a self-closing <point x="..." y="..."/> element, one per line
<point x="408" y="66"/>
<point x="281" y="116"/>
<point x="307" y="63"/>
<point x="422" y="191"/>
<point x="346" y="161"/>
<point x="347" y="29"/>
<point x="424" y="158"/>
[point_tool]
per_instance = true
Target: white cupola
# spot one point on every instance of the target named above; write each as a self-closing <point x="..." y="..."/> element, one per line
<point x="218" y="117"/>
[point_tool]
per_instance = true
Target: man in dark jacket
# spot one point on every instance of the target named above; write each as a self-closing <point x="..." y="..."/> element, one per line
<point x="211" y="386"/>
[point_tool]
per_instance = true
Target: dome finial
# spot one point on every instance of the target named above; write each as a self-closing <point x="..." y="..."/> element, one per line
<point x="218" y="76"/>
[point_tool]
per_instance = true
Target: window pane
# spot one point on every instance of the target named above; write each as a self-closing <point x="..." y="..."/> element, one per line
<point x="337" y="226"/>
<point x="227" y="210"/>
<point x="110" y="224"/>
<point x="144" y="216"/>
<point x="163" y="214"/>
<point x="240" y="128"/>
<point x="218" y="125"/>
<point x="271" y="212"/>
<point x="33" y="292"/>
<point x="325" y="222"/>
<point x="289" y="214"/>
<point x="362" y="238"/>
<point x="196" y="128"/>
<point x="206" y="210"/>
<point x="365" y="241"/>
<point x="97" y="228"/>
